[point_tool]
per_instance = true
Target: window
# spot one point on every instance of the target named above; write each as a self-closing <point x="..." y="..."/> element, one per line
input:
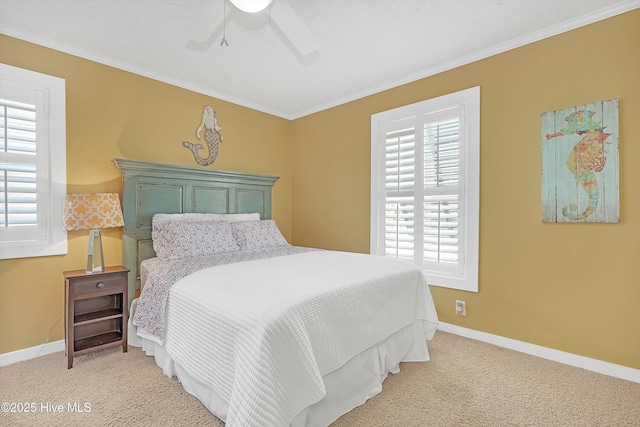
<point x="32" y="163"/>
<point x="425" y="174"/>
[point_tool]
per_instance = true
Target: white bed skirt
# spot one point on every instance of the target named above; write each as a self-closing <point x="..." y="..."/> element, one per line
<point x="347" y="387"/>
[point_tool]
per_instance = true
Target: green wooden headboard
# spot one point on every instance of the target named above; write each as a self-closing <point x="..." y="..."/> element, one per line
<point x="151" y="188"/>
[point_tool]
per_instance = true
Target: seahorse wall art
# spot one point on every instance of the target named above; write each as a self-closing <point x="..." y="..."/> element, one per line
<point x="212" y="136"/>
<point x="580" y="175"/>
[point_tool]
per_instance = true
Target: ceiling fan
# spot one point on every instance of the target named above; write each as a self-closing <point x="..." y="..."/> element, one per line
<point x="280" y="12"/>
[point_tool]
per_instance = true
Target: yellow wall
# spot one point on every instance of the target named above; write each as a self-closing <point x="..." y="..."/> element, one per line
<point x="572" y="287"/>
<point x="113" y="113"/>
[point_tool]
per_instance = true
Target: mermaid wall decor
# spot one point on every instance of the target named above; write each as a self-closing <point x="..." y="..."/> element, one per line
<point x="212" y="136"/>
<point x="580" y="164"/>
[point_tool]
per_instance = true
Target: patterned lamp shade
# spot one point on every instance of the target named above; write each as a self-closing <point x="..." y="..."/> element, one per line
<point x="92" y="211"/>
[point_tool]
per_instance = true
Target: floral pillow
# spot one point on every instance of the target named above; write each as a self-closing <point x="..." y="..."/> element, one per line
<point x="195" y="237"/>
<point x="258" y="235"/>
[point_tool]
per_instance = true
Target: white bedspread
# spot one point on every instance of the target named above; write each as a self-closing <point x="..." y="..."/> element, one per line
<point x="262" y="333"/>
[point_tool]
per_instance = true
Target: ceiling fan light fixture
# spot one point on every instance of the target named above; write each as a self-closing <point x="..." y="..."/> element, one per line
<point x="251" y="6"/>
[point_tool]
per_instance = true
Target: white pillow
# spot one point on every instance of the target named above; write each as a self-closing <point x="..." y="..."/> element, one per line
<point x="258" y="235"/>
<point x="187" y="217"/>
<point x="237" y="217"/>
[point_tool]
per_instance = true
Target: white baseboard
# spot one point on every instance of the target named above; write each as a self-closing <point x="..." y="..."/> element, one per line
<point x="595" y="365"/>
<point x="31" y="352"/>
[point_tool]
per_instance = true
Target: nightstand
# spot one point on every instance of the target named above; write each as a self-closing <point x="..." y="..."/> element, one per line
<point x="95" y="311"/>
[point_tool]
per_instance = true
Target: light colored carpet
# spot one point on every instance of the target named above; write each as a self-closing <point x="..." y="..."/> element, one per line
<point x="467" y="383"/>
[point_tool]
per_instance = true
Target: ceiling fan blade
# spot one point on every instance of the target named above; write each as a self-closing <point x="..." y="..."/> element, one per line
<point x="205" y="23"/>
<point x="292" y="26"/>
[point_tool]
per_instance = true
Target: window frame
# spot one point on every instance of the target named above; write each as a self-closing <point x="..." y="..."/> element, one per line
<point x="466" y="276"/>
<point x="51" y="178"/>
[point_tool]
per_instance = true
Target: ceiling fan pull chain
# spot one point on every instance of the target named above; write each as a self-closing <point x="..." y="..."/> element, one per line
<point x="224" y="26"/>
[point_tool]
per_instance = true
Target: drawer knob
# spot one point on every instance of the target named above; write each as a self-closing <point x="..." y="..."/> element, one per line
<point x="100" y="285"/>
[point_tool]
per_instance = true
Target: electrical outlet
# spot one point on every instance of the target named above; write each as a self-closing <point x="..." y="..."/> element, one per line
<point x="461" y="308"/>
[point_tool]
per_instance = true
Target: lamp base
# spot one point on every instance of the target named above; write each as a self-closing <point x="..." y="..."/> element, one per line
<point x="95" y="257"/>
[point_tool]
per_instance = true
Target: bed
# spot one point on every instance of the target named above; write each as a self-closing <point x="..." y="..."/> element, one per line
<point x="260" y="331"/>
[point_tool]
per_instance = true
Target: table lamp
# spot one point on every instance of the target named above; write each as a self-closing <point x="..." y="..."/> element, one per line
<point x="92" y="212"/>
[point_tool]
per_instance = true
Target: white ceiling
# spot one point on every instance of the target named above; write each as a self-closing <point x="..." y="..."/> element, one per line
<point x="365" y="45"/>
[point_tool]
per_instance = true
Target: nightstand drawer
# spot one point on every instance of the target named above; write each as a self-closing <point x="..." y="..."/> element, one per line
<point x="98" y="285"/>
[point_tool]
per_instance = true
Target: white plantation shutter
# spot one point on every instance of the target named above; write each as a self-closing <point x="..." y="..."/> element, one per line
<point x="441" y="145"/>
<point x="423" y="195"/>
<point x="399" y="186"/>
<point x="32" y="163"/>
<point x="18" y="183"/>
